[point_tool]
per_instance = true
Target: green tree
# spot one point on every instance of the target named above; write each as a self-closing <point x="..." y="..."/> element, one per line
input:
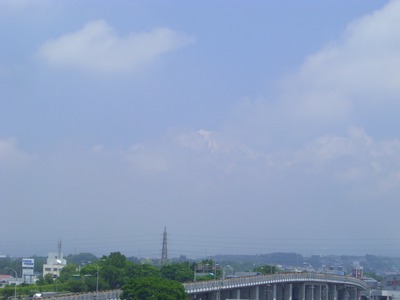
<point x="181" y="272"/>
<point x="90" y="270"/>
<point x="207" y="262"/>
<point x="116" y="259"/>
<point x="77" y="285"/>
<point x="68" y="272"/>
<point x="153" y="288"/>
<point x="135" y="271"/>
<point x="89" y="274"/>
<point x="267" y="269"/>
<point x="81" y="258"/>
<point x="48" y="278"/>
<point x="133" y="259"/>
<point x="114" y="268"/>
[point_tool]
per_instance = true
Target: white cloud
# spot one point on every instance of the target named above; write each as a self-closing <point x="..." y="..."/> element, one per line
<point x="97" y="47"/>
<point x="352" y="82"/>
<point x="329" y="148"/>
<point x="357" y="165"/>
<point x="361" y="69"/>
<point x="329" y="87"/>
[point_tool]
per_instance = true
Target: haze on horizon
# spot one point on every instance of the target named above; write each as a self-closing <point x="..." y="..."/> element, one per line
<point x="243" y="127"/>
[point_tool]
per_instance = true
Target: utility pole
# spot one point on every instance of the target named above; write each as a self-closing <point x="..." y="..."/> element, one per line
<point x="15" y="284"/>
<point x="164" y="251"/>
<point x="97" y="281"/>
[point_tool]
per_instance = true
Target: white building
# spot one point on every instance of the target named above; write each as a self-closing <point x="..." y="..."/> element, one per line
<point x="55" y="262"/>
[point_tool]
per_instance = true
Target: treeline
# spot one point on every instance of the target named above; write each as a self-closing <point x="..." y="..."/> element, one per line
<point x="137" y="279"/>
<point x="114" y="271"/>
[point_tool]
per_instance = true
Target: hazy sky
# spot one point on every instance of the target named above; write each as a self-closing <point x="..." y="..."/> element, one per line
<point x="244" y="127"/>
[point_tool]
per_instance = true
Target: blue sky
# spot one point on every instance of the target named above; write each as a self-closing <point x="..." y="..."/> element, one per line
<point x="242" y="126"/>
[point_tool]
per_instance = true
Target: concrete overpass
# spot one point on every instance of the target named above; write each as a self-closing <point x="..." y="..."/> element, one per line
<point x="281" y="286"/>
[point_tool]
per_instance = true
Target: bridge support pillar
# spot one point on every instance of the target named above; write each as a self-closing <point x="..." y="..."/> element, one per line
<point x="352" y="293"/>
<point x="333" y="292"/>
<point x="278" y="291"/>
<point x="216" y="295"/>
<point x="317" y="292"/>
<point x="357" y="294"/>
<point x="324" y="292"/>
<point x="268" y="292"/>
<point x="255" y="292"/>
<point x="309" y="292"/>
<point x="273" y="292"/>
<point x="288" y="291"/>
<point x="321" y="292"/>
<point x="236" y="293"/>
<point x="343" y="293"/>
<point x="263" y="292"/>
<point x="302" y="291"/>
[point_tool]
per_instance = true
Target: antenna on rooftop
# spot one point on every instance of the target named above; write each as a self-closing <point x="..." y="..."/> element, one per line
<point x="59" y="249"/>
<point x="164" y="252"/>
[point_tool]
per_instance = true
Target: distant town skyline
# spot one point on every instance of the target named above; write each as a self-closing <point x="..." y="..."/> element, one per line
<point x="243" y="127"/>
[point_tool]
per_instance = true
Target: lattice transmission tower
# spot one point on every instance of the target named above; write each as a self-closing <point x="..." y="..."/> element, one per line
<point x="164" y="251"/>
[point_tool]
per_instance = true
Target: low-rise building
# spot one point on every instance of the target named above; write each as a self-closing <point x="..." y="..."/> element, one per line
<point x="5" y="280"/>
<point x="55" y="263"/>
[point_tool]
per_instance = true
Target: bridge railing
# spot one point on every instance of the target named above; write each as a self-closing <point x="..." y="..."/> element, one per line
<point x="101" y="295"/>
<point x="229" y="283"/>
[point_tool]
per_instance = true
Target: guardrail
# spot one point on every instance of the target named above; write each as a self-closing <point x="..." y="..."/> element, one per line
<point x="230" y="283"/>
<point x="101" y="295"/>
